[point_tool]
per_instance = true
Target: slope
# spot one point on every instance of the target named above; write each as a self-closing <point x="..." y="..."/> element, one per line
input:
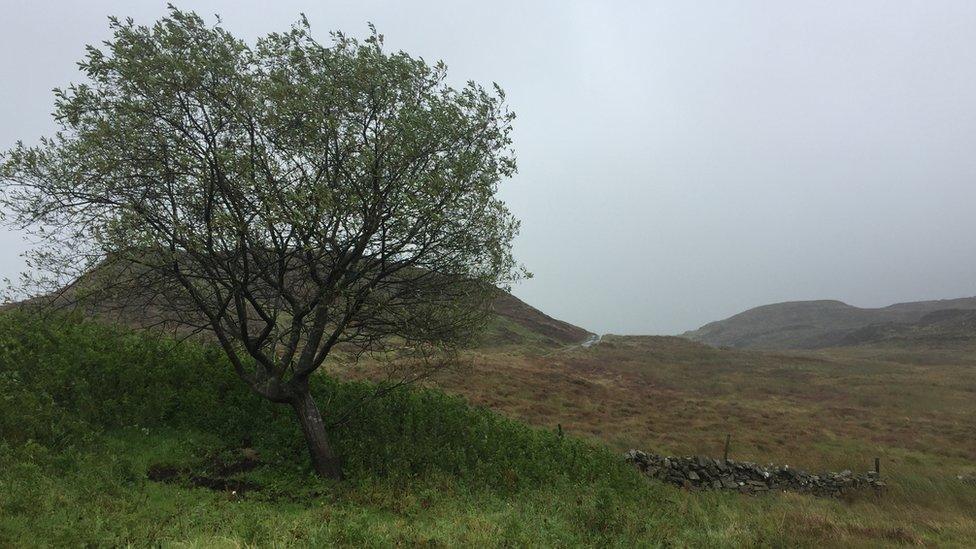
<point x="819" y="324"/>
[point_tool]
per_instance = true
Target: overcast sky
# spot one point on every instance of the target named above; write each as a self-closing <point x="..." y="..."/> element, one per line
<point x="678" y="161"/>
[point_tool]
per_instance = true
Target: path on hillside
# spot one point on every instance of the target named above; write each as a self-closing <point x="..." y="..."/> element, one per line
<point x="591" y="341"/>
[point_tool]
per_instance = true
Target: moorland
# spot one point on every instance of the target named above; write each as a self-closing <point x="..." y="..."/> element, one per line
<point x="119" y="436"/>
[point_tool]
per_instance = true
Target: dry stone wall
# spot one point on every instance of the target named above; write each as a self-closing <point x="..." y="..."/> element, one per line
<point x="704" y="473"/>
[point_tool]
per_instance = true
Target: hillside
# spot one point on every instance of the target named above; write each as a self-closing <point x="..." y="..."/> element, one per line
<point x="540" y="326"/>
<point x="514" y="322"/>
<point x="820" y="324"/>
<point x="115" y="438"/>
<point x="110" y="437"/>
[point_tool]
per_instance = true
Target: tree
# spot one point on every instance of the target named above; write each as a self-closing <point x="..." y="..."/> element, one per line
<point x="289" y="197"/>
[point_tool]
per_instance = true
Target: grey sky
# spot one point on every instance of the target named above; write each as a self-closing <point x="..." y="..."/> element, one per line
<point x="679" y="161"/>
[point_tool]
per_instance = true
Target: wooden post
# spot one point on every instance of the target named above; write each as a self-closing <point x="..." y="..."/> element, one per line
<point x="725" y="455"/>
<point x="877" y="466"/>
<point x="559" y="429"/>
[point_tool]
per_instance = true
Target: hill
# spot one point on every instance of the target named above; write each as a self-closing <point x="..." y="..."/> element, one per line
<point x="821" y="324"/>
<point x="515" y="316"/>
<point x="129" y="304"/>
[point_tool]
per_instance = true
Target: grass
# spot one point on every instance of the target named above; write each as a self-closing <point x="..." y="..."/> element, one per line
<point x="86" y="411"/>
<point x="105" y="500"/>
<point x="833" y="409"/>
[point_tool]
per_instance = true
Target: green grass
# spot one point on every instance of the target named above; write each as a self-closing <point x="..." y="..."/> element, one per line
<point x="101" y="497"/>
<point x="86" y="410"/>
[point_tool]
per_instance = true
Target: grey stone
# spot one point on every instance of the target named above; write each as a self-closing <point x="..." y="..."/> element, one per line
<point x="701" y="472"/>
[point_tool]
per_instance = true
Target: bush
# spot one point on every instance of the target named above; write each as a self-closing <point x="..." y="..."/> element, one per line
<point x="63" y="380"/>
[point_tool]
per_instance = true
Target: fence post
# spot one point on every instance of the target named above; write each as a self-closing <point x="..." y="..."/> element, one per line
<point x="728" y="438"/>
<point x="877" y="466"/>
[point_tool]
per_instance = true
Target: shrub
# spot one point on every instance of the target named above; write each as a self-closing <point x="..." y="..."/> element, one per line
<point x="64" y="379"/>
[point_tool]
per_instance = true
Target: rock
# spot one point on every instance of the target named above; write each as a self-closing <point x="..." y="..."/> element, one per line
<point x="701" y="472"/>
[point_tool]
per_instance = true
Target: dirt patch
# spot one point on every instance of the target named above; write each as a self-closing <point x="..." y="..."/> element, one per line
<point x="163" y="473"/>
<point x="248" y="461"/>
<point x="215" y="474"/>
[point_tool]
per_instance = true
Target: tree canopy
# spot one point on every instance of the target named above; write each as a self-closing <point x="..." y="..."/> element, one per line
<point x="288" y="196"/>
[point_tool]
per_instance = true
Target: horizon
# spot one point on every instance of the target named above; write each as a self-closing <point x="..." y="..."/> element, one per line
<point x="678" y="165"/>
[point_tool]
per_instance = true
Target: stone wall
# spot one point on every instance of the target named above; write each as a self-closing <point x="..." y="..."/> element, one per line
<point x="704" y="473"/>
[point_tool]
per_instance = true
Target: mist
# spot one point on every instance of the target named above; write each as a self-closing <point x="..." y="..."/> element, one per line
<point x="678" y="162"/>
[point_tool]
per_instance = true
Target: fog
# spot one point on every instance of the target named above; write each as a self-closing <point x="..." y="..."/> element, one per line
<point x="678" y="162"/>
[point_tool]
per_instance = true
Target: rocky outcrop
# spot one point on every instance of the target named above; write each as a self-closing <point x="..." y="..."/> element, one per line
<point x="704" y="473"/>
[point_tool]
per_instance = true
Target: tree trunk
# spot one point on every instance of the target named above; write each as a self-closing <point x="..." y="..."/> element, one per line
<point x="324" y="461"/>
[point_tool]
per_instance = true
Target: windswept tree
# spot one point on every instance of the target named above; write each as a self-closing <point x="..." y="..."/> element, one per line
<point x="289" y="197"/>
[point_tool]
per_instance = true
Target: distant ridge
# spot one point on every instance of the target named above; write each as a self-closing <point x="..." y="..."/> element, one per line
<point x="830" y="323"/>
